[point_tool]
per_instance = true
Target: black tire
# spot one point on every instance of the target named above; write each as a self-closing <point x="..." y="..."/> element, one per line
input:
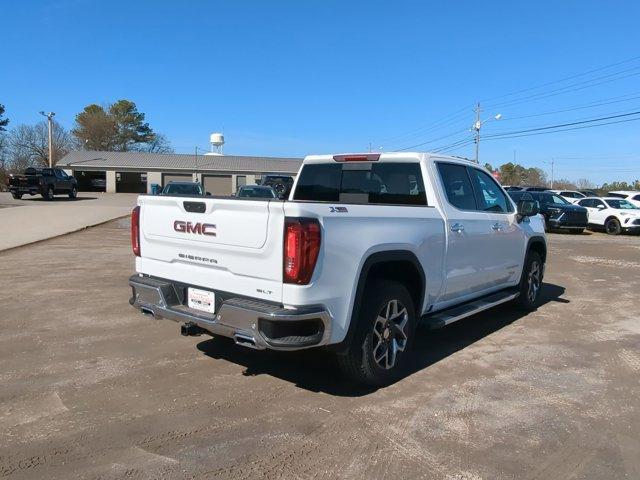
<point x="531" y="282"/>
<point x="17" y="196"/>
<point x="378" y="353"/>
<point x="48" y="194"/>
<point x="577" y="231"/>
<point x="73" y="193"/>
<point x="612" y="227"/>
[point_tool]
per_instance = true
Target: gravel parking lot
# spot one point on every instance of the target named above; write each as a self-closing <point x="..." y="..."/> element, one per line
<point x="92" y="389"/>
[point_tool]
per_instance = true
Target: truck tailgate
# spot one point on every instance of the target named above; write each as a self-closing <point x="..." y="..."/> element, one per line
<point x="224" y="244"/>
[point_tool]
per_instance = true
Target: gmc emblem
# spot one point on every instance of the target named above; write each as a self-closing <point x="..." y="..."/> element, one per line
<point x="197" y="228"/>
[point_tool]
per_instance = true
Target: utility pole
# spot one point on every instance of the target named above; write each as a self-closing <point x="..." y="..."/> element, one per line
<point x="196" y="172"/>
<point x="50" y="116"/>
<point x="553" y="161"/>
<point x="476" y="127"/>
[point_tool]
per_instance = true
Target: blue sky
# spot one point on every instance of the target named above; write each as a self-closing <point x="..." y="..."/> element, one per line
<point x="292" y="78"/>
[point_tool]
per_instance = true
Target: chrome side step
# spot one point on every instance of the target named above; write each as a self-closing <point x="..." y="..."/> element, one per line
<point x="453" y="314"/>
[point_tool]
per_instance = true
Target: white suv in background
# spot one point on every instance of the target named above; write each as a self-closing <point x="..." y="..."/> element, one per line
<point x="614" y="214"/>
<point x="570" y="195"/>
<point x="629" y="195"/>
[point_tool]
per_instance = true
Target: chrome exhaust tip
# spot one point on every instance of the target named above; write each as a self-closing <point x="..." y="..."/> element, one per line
<point x="245" y="340"/>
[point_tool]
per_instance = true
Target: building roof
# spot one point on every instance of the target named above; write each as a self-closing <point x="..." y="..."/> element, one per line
<point x="178" y="161"/>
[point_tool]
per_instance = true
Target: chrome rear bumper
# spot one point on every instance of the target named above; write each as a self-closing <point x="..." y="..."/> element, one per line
<point x="251" y="323"/>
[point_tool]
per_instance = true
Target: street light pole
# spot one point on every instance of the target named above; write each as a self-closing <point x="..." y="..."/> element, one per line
<point x="478" y="124"/>
<point x="476" y="127"/>
<point x="50" y="116"/>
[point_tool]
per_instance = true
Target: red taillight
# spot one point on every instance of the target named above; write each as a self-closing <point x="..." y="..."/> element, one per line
<point x="360" y="157"/>
<point x="301" y="248"/>
<point x="135" y="231"/>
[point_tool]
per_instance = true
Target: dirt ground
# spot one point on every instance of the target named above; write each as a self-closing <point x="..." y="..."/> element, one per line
<point x="92" y="389"/>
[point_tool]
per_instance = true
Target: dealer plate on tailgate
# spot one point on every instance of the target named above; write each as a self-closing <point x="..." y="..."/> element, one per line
<point x="201" y="300"/>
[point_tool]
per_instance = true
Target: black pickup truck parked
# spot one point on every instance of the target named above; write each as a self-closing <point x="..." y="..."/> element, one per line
<point x="44" y="181"/>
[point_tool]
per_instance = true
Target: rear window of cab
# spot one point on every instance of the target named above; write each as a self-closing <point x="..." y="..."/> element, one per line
<point x="362" y="183"/>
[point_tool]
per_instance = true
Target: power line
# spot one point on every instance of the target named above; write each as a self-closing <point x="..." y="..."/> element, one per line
<point x="572" y="108"/>
<point x="563" y="79"/>
<point x="549" y="127"/>
<point x="444" y="121"/>
<point x="433" y="140"/>
<point x="459" y="143"/>
<point x="567" y="89"/>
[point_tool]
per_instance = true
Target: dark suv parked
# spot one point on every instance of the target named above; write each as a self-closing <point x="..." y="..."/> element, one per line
<point x="558" y="213"/>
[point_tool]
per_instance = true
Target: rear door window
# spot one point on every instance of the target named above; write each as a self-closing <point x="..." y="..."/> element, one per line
<point x="488" y="194"/>
<point x="457" y="186"/>
<point x="362" y="183"/>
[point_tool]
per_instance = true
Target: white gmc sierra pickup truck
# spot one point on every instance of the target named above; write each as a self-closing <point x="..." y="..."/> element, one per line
<point x="365" y="246"/>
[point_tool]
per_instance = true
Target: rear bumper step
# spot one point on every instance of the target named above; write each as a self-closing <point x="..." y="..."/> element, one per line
<point x="250" y="323"/>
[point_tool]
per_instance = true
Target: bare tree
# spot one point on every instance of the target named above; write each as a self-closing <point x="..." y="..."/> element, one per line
<point x="29" y="145"/>
<point x="585" y="184"/>
<point x="564" y="184"/>
<point x="160" y="144"/>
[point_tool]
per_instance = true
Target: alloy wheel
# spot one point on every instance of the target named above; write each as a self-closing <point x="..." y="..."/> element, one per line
<point x="533" y="281"/>
<point x="390" y="332"/>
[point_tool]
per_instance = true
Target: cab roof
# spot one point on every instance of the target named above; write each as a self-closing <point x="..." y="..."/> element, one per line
<point x="385" y="157"/>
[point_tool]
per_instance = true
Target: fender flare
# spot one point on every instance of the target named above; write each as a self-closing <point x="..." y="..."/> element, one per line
<point x="374" y="259"/>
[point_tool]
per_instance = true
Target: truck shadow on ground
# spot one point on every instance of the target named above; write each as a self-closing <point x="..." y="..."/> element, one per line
<point x="317" y="370"/>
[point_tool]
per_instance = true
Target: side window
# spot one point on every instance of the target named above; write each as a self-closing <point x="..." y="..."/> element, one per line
<point x="597" y="203"/>
<point x="637" y="197"/>
<point x="488" y="193"/>
<point x="586" y="203"/>
<point x="457" y="186"/>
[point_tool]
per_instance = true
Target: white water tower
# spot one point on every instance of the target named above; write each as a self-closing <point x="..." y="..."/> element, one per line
<point x="217" y="141"/>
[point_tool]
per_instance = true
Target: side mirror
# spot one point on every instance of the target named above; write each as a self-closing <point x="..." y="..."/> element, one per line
<point x="527" y="207"/>
<point x="601" y="207"/>
<point x="208" y="194"/>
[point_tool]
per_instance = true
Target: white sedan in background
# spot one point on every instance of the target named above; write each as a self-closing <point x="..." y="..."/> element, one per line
<point x="614" y="214"/>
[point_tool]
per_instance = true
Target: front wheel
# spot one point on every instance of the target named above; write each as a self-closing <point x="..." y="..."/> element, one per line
<point x="531" y="282"/>
<point x="73" y="193"/>
<point x="612" y="226"/>
<point x="385" y="331"/>
<point x="16" y="195"/>
<point x="577" y="231"/>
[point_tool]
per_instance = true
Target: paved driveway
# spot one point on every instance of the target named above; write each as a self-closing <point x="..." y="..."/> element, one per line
<point x="33" y="219"/>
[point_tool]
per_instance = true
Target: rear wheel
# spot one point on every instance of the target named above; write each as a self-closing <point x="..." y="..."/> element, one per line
<point x="385" y="332"/>
<point x="48" y="193"/>
<point x="73" y="193"/>
<point x="612" y="226"/>
<point x="16" y="195"/>
<point x="531" y="282"/>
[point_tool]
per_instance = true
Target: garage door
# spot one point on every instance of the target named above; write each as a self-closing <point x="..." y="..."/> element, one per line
<point x="131" y="182"/>
<point x="90" y="181"/>
<point x="219" y="185"/>
<point x="175" y="177"/>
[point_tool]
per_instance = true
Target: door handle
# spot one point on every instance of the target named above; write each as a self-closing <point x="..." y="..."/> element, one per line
<point x="497" y="227"/>
<point x="457" y="227"/>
